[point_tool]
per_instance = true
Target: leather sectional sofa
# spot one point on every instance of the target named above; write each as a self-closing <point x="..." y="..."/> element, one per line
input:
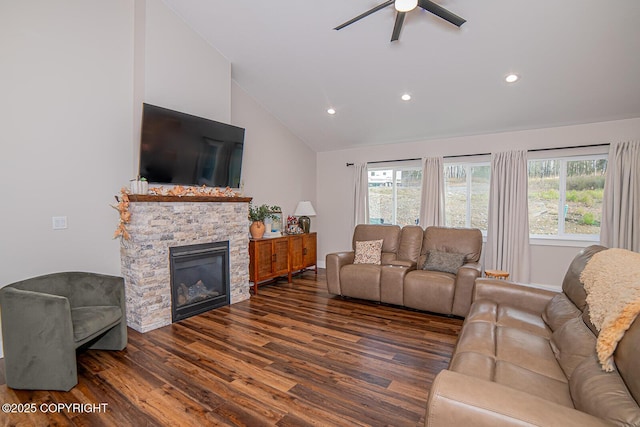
<point x="526" y="356"/>
<point x="400" y="279"/>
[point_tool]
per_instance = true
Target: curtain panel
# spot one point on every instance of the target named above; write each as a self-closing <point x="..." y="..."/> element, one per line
<point x="360" y="195"/>
<point x="432" y="201"/>
<point x="620" y="226"/>
<point x="508" y="230"/>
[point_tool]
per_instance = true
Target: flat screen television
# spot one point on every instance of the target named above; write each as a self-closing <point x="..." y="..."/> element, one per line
<point x="178" y="148"/>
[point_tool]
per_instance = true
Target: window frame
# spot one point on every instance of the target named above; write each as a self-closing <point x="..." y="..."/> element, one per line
<point x="394" y="167"/>
<point x="562" y="238"/>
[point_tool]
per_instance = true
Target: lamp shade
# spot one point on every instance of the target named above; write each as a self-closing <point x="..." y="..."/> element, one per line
<point x="305" y="208"/>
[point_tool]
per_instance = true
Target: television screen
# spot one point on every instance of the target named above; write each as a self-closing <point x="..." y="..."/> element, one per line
<point x="178" y="148"/>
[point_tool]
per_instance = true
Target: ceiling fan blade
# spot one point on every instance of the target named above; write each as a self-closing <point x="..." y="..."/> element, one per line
<point x="440" y="11"/>
<point x="398" y="26"/>
<point x="364" y="15"/>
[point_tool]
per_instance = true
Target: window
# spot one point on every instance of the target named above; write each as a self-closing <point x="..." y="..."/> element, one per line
<point x="565" y="197"/>
<point x="394" y="195"/>
<point x="466" y="201"/>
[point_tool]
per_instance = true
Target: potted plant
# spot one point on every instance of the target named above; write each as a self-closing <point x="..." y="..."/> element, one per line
<point x="257" y="215"/>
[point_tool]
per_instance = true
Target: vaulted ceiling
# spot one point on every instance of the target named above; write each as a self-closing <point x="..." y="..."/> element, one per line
<point x="578" y="61"/>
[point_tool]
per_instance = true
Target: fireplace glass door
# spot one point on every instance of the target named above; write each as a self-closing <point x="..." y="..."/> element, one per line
<point x="199" y="278"/>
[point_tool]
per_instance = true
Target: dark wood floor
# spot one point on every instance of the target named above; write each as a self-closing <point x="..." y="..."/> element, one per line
<point x="291" y="356"/>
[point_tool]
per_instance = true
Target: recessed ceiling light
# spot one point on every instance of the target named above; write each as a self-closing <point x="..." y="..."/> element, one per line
<point x="406" y="97"/>
<point x="511" y="78"/>
<point x="331" y="111"/>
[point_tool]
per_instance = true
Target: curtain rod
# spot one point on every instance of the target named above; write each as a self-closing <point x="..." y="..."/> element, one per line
<point x="488" y="154"/>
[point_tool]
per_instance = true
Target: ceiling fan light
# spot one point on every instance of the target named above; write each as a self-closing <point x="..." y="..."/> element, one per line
<point x="405" y="5"/>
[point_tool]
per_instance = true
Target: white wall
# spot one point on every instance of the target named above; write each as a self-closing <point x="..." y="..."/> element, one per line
<point x="66" y="133"/>
<point x="66" y="85"/>
<point x="335" y="180"/>
<point x="68" y="122"/>
<point x="74" y="76"/>
<point x="182" y="71"/>
<point x="277" y="167"/>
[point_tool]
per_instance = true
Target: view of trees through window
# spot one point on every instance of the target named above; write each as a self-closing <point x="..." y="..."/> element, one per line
<point x="394" y="196"/>
<point x="565" y="196"/>
<point x="467" y="195"/>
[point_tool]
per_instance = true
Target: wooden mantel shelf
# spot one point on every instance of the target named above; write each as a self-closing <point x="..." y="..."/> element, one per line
<point x="187" y="199"/>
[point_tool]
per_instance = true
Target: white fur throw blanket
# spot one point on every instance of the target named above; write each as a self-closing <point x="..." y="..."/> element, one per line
<point x="612" y="281"/>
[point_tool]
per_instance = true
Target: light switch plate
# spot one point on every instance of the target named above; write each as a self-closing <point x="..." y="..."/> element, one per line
<point x="59" y="222"/>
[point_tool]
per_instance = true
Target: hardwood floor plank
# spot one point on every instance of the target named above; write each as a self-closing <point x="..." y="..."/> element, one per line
<point x="294" y="355"/>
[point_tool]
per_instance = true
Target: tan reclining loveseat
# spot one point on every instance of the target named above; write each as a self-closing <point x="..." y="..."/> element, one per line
<point x="527" y="356"/>
<point x="399" y="278"/>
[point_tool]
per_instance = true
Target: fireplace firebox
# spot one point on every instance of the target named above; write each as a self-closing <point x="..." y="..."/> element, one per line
<point x="199" y="278"/>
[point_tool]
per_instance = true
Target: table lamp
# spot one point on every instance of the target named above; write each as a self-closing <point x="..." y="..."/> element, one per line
<point x="304" y="210"/>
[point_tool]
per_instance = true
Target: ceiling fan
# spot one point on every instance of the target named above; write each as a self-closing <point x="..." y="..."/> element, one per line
<point x="404" y="6"/>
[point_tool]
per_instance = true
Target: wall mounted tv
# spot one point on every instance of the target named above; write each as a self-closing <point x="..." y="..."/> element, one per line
<point x="178" y="148"/>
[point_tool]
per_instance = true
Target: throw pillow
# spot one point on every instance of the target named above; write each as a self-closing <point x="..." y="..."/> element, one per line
<point x="368" y="252"/>
<point x="447" y="262"/>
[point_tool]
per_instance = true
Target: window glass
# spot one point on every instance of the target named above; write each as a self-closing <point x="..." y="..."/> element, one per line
<point x="455" y="200"/>
<point x="584" y="190"/>
<point x="565" y="197"/>
<point x="394" y="195"/>
<point x="479" y="209"/>
<point x="544" y="196"/>
<point x="408" y="187"/>
<point x="467" y="195"/>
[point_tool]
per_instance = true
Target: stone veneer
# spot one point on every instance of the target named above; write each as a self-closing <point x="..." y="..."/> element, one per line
<point x="158" y="225"/>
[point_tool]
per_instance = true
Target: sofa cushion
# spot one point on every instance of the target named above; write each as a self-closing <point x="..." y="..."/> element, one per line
<point x="368" y="252"/>
<point x="389" y="233"/>
<point x="571" y="343"/>
<point x="467" y="241"/>
<point x="572" y="286"/>
<point x="519" y="378"/>
<point x="410" y="243"/>
<point x="361" y="281"/>
<point x="511" y="347"/>
<point x="429" y="290"/>
<point x="603" y="394"/>
<point x="507" y="316"/>
<point x="88" y="321"/>
<point x="447" y="262"/>
<point x="626" y="358"/>
<point x="558" y="311"/>
<point x="528" y="351"/>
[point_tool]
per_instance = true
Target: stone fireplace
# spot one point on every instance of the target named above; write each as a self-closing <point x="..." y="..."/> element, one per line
<point x="160" y="223"/>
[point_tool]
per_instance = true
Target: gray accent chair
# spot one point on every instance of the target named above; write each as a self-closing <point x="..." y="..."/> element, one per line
<point x="46" y="318"/>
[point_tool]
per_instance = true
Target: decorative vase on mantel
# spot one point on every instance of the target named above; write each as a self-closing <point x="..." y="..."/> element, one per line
<point x="257" y="229"/>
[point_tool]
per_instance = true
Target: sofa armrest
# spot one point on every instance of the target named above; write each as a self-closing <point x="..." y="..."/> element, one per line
<point x="334" y="263"/>
<point x="26" y="313"/>
<point x="39" y="349"/>
<point x="518" y="296"/>
<point x="460" y="400"/>
<point x="465" y="280"/>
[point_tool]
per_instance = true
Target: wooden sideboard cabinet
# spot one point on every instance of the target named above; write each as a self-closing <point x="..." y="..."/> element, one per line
<point x="274" y="257"/>
<point x="302" y="251"/>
